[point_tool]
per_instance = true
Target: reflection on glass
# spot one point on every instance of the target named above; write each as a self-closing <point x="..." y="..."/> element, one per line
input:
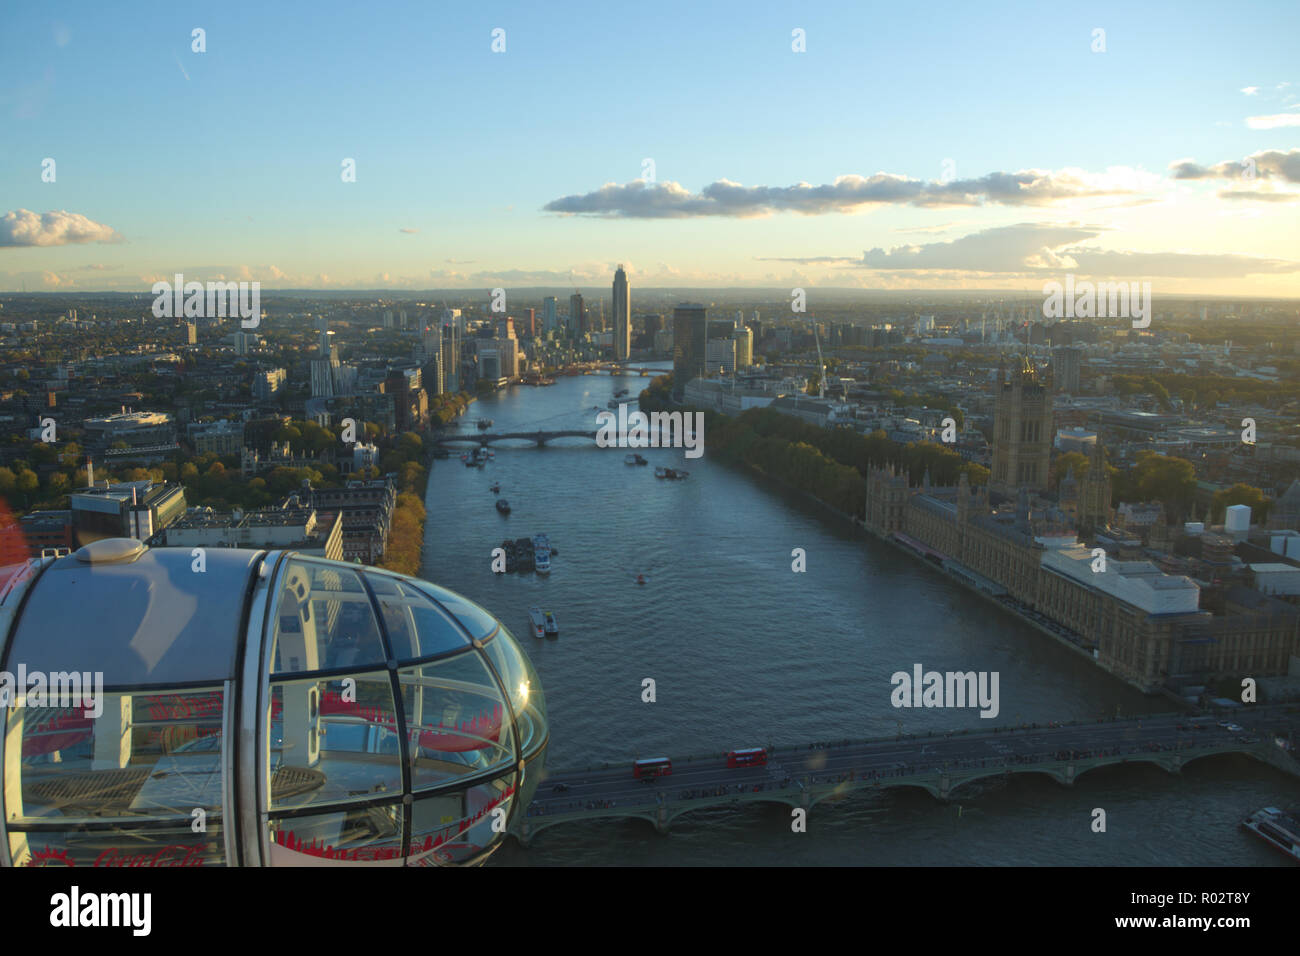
<point x="146" y="755"/>
<point x="175" y="846"/>
<point x="457" y="827"/>
<point x="416" y="627"/>
<point x="333" y="740"/>
<point x="361" y="835"/>
<point x="525" y="689"/>
<point x="457" y="720"/>
<point x="323" y="619"/>
<point x="476" y="620"/>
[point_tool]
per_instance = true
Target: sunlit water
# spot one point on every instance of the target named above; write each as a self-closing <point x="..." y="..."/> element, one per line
<point x="745" y="652"/>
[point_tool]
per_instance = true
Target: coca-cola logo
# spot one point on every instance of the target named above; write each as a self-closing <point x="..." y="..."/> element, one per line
<point x="174" y="854"/>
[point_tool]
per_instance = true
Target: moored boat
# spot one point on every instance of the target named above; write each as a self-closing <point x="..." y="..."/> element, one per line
<point x="538" y="620"/>
<point x="552" y="626"/>
<point x="542" y="559"/>
<point x="1279" y="828"/>
<point x="503" y="506"/>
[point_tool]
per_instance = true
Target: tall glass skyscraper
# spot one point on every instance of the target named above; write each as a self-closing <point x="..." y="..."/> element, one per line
<point x="622" y="316"/>
<point x="577" y="315"/>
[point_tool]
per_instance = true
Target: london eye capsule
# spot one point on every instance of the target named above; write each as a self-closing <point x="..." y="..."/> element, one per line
<point x="220" y="707"/>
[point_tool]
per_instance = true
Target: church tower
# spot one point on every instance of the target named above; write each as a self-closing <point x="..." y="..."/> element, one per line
<point x="1094" y="495"/>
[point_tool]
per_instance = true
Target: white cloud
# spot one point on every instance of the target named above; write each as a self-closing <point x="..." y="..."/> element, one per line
<point x="1273" y="120"/>
<point x="59" y="228"/>
<point x="670" y="200"/>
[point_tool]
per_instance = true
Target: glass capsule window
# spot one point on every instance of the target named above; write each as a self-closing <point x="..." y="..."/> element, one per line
<point x="392" y="721"/>
<point x="120" y="788"/>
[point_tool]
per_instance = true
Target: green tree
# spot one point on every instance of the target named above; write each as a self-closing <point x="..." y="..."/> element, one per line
<point x="1166" y="479"/>
<point x="1064" y="462"/>
<point x="1242" y="494"/>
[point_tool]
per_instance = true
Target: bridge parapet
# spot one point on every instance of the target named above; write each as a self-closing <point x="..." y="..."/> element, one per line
<point x="941" y="781"/>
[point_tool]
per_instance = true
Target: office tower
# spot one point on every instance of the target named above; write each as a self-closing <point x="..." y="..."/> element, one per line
<point x="449" y="358"/>
<point x="1065" y="369"/>
<point x="388" y="318"/>
<point x="744" y="340"/>
<point x="191" y="333"/>
<point x="549" y="318"/>
<point x="690" y="338"/>
<point x="322" y="379"/>
<point x="622" y="316"/>
<point x="577" y="315"/>
<point x="653" y="323"/>
<point x="528" y="324"/>
<point x="720" y="356"/>
<point x="1022" y="431"/>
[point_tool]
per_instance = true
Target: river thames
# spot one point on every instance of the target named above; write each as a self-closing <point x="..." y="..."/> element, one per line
<point x="746" y="652"/>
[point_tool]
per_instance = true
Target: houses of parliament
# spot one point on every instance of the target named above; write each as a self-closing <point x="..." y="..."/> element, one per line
<point x="1054" y="557"/>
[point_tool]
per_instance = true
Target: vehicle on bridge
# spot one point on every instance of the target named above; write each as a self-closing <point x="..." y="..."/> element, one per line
<point x="753" y="757"/>
<point x="652" y="767"/>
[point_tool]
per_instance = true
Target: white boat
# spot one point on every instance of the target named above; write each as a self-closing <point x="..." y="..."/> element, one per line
<point x="1278" y="828"/>
<point x="542" y="559"/>
<point x="552" y="626"/>
<point x="539" y="621"/>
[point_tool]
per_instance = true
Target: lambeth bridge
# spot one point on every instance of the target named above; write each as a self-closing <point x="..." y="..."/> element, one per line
<point x="942" y="764"/>
<point x="488" y="438"/>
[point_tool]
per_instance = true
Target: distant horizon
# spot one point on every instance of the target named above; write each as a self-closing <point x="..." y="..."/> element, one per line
<point x="562" y="292"/>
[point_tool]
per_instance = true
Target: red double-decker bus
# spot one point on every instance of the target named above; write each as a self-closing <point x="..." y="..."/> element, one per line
<point x="753" y="757"/>
<point x="652" y="767"/>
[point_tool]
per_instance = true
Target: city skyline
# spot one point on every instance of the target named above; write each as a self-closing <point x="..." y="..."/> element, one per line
<point x="1113" y="160"/>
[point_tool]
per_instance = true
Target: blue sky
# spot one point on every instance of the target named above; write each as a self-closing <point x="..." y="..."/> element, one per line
<point x="227" y="162"/>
